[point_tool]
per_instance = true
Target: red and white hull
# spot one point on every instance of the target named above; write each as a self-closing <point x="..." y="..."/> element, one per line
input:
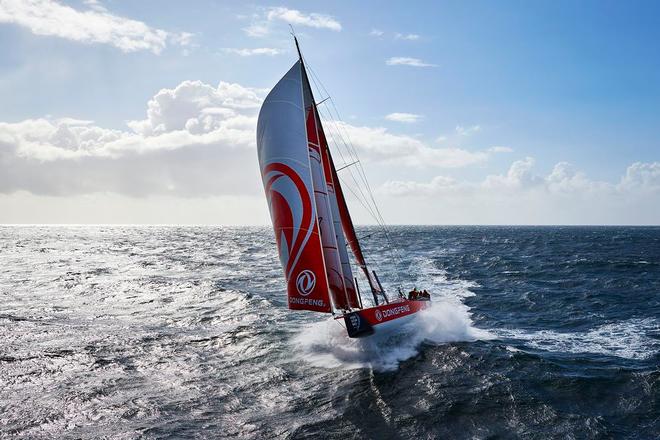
<point x="366" y="322"/>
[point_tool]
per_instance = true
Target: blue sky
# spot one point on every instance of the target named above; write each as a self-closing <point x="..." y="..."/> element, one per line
<point x="501" y="93"/>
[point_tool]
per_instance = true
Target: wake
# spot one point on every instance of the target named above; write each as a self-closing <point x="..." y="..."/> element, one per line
<point x="325" y="344"/>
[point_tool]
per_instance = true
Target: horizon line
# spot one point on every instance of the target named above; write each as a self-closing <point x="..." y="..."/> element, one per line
<point x="358" y="225"/>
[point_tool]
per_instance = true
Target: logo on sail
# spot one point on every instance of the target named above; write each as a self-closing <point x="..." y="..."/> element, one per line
<point x="305" y="282"/>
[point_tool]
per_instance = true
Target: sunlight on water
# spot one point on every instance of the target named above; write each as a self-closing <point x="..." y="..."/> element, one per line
<point x="166" y="332"/>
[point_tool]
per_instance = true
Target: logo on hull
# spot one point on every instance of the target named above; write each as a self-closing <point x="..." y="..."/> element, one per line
<point x="396" y="311"/>
<point x="305" y="282"/>
<point x="379" y="316"/>
<point x="355" y="320"/>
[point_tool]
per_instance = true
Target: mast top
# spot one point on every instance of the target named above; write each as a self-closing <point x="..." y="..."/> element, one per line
<point x="298" y="48"/>
<point x="295" y="39"/>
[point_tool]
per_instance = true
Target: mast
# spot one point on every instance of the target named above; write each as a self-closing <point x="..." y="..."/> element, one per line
<point x="298" y="49"/>
<point x="342" y="207"/>
<point x="341" y="286"/>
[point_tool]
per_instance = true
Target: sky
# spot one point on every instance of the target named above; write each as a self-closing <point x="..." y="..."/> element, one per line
<point x="461" y="112"/>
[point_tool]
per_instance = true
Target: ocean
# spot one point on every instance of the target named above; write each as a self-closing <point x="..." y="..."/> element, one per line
<point x="125" y="332"/>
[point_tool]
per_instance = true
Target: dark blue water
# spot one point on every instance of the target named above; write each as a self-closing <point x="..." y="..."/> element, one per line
<point x="179" y="332"/>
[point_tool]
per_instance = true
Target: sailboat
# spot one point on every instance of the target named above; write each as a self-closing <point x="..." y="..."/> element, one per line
<point x="311" y="219"/>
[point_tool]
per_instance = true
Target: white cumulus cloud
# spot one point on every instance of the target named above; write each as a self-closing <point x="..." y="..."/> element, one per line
<point x="500" y="149"/>
<point x="196" y="140"/>
<point x="251" y="52"/>
<point x="96" y="25"/>
<point x="295" y="17"/>
<point x="520" y="175"/>
<point x="467" y="131"/>
<point x="408" y="37"/>
<point x="407" y="61"/>
<point x="564" y="179"/>
<point x="639" y="175"/>
<point x="403" y="117"/>
<point x="437" y="185"/>
<point x="520" y="196"/>
<point x="377" y="144"/>
<point x="258" y="29"/>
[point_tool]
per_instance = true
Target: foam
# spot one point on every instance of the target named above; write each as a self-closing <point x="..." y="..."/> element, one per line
<point x="629" y="339"/>
<point x="326" y="344"/>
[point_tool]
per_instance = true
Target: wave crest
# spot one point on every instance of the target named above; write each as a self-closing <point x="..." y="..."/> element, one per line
<point x="325" y="344"/>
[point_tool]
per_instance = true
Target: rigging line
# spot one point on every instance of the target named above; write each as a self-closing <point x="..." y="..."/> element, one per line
<point x="375" y="212"/>
<point x="346" y="166"/>
<point x="378" y="217"/>
<point x="316" y="82"/>
<point x="365" y="201"/>
<point x="358" y="199"/>
<point x="341" y="130"/>
<point x="352" y="151"/>
<point x="319" y="85"/>
<point x="330" y="119"/>
<point x="339" y="150"/>
<point x="321" y="111"/>
<point x="349" y="145"/>
<point x="361" y="197"/>
<point x="390" y="244"/>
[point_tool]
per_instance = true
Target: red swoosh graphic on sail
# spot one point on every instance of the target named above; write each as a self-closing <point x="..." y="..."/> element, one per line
<point x="283" y="214"/>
